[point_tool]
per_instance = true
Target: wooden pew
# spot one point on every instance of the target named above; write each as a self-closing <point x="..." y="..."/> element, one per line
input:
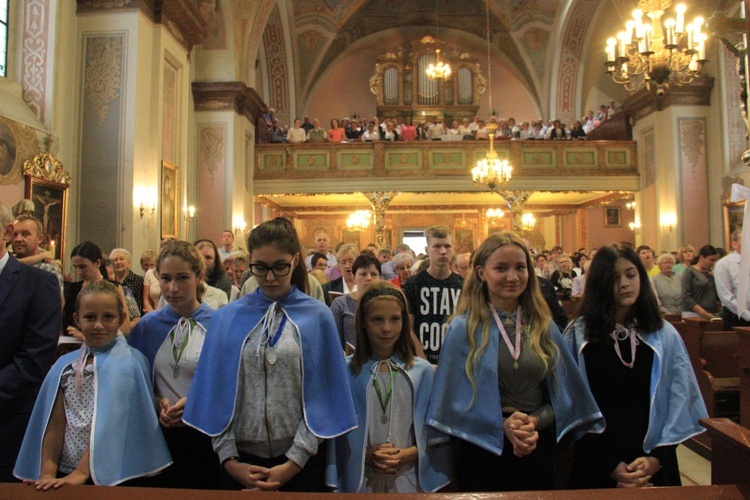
<point x="730" y="451"/>
<point x="743" y="358"/>
<point x="718" y="378"/>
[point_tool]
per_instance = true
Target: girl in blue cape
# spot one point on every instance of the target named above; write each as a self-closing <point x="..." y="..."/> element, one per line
<point x="271" y="382"/>
<point x="506" y="386"/>
<point x="172" y="339"/>
<point x="640" y="374"/>
<point x="389" y="450"/>
<point x="94" y="420"/>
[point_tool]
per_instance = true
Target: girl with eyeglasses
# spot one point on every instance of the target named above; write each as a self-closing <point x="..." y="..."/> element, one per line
<point x="271" y="384"/>
<point x="172" y="338"/>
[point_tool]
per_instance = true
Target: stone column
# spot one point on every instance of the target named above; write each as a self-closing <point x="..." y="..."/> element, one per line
<point x="379" y="200"/>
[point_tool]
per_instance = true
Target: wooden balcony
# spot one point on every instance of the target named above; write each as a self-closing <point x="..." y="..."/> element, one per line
<point x="443" y="166"/>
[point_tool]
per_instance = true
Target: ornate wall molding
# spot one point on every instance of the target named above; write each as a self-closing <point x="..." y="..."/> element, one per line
<point x="182" y="18"/>
<point x="103" y="79"/>
<point x="226" y="96"/>
<point x="276" y="65"/>
<point x="211" y="144"/>
<point x="34" y="53"/>
<point x="643" y="102"/>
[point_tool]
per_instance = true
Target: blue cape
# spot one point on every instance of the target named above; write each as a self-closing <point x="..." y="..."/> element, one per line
<point x="575" y="410"/>
<point x="677" y="404"/>
<point x="151" y="331"/>
<point x="326" y="396"/>
<point x="346" y="454"/>
<point x="126" y="440"/>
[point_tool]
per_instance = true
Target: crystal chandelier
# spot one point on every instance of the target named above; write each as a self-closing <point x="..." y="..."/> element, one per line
<point x="358" y="221"/>
<point x="495" y="213"/>
<point x="490" y="171"/>
<point x="528" y="221"/>
<point x="438" y="69"/>
<point x="657" y="54"/>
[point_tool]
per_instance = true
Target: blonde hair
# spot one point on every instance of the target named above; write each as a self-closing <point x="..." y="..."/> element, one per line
<point x="474" y="304"/>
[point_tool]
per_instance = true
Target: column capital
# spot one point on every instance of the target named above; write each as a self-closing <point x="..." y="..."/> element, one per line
<point x="228" y="96"/>
<point x="644" y="102"/>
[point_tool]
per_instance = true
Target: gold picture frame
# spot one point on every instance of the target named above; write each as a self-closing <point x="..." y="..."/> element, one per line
<point x="46" y="185"/>
<point x="169" y="200"/>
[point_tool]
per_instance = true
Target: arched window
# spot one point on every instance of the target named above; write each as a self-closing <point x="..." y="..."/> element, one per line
<point x="390" y="86"/>
<point x="465" y="86"/>
<point x="428" y="89"/>
<point x="3" y="37"/>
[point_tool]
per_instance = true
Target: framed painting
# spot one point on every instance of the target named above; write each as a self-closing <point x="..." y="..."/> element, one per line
<point x="733" y="214"/>
<point x="170" y="200"/>
<point x="463" y="240"/>
<point x="47" y="186"/>
<point x="612" y="217"/>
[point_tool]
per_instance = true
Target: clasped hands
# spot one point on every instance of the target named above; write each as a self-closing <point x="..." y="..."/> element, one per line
<point x="521" y="431"/>
<point x="386" y="458"/>
<point x="257" y="478"/>
<point x="171" y="415"/>
<point x="637" y="473"/>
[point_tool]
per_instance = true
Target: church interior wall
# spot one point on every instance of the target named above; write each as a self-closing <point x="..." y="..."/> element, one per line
<point x="599" y="234"/>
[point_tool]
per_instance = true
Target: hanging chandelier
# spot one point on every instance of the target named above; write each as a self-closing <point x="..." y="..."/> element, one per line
<point x="358" y="221"/>
<point x="528" y="221"/>
<point x="657" y="54"/>
<point x="491" y="172"/>
<point x="438" y="69"/>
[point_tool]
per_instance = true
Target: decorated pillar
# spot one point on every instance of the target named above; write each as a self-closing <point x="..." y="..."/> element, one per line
<point x="379" y="200"/>
<point x="516" y="201"/>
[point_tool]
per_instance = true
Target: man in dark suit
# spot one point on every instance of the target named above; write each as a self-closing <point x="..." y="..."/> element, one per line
<point x="29" y="328"/>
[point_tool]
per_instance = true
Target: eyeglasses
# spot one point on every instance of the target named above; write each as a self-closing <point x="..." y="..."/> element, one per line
<point x="278" y="270"/>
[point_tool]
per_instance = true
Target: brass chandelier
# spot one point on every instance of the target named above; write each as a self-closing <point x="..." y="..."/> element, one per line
<point x="657" y="54"/>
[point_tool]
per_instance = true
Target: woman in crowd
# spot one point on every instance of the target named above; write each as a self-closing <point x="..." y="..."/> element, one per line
<point x="579" y="259"/>
<point x="341" y="276"/>
<point x="506" y="386"/>
<point x="216" y="275"/>
<point x="577" y="131"/>
<point x="699" y="296"/>
<point x="667" y="285"/>
<point x="389" y="450"/>
<point x="640" y="374"/>
<point x="684" y="259"/>
<point x="562" y="279"/>
<point x="88" y="261"/>
<point x="408" y="130"/>
<point x="402" y="263"/>
<point x="93" y="421"/>
<point x="124" y="275"/>
<point x="541" y="267"/>
<point x="272" y="384"/>
<point x="366" y="270"/>
<point x="172" y="339"/>
<point x="336" y="133"/>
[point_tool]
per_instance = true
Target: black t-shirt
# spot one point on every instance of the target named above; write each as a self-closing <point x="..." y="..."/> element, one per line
<point x="432" y="301"/>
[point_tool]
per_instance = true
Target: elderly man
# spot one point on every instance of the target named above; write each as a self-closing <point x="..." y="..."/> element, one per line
<point x="26" y="241"/>
<point x="30" y="318"/>
<point x="462" y="264"/>
<point x="317" y="134"/>
<point x="322" y="244"/>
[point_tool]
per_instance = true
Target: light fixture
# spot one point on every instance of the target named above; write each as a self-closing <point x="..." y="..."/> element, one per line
<point x="190" y="212"/>
<point x="495" y="213"/>
<point x="239" y="224"/>
<point x="491" y="172"/>
<point x="438" y="69"/>
<point x="528" y="221"/>
<point x="630" y="205"/>
<point x="146" y="200"/>
<point x="634" y="225"/>
<point x="358" y="221"/>
<point x="657" y="54"/>
<point x="668" y="221"/>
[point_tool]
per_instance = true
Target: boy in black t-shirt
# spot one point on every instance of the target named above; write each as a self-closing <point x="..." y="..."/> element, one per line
<point x="433" y="294"/>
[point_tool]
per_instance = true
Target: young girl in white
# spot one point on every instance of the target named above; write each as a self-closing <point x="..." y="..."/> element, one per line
<point x="172" y="339"/>
<point x="389" y="450"/>
<point x="93" y="420"/>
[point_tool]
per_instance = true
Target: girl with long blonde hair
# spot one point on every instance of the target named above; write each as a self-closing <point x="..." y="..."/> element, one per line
<point x="504" y="387"/>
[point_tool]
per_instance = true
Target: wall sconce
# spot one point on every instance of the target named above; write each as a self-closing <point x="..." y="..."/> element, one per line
<point x="239" y="225"/>
<point x="528" y="221"/>
<point x="630" y="205"/>
<point x="634" y="226"/>
<point x="146" y="199"/>
<point x="668" y="221"/>
<point x="189" y="212"/>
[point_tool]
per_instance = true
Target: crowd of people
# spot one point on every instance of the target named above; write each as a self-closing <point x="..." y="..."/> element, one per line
<point x="340" y="369"/>
<point x="391" y="129"/>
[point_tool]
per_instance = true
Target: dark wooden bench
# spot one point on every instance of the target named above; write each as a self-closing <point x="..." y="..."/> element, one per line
<point x="718" y="378"/>
<point x="743" y="361"/>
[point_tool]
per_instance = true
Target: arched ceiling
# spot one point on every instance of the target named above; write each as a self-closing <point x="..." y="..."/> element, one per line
<point x="520" y="31"/>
